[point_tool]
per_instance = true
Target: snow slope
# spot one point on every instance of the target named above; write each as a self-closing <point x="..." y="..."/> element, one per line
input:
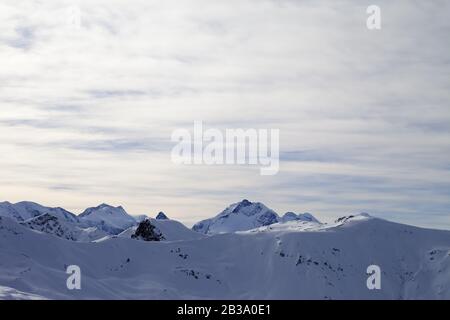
<point x="107" y="218"/>
<point x="13" y="294"/>
<point x="293" y="260"/>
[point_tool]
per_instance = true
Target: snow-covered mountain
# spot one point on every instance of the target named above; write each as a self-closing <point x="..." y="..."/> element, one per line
<point x="240" y="216"/>
<point x="291" y="260"/>
<point x="291" y="216"/>
<point x="62" y="228"/>
<point x="246" y="215"/>
<point x="112" y="220"/>
<point x="55" y="221"/>
<point x="25" y="210"/>
<point x="92" y="224"/>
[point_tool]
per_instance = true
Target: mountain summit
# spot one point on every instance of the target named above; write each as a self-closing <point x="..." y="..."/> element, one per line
<point x="240" y="216"/>
<point x="108" y="218"/>
<point x="161" y="216"/>
<point x="291" y="216"/>
<point x="25" y="210"/>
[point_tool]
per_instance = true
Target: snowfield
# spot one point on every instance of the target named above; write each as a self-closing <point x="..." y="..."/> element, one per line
<point x="298" y="259"/>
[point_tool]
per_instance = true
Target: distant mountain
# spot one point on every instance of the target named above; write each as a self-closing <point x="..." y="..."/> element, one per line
<point x="62" y="228"/>
<point x="161" y="216"/>
<point x="246" y="215"/>
<point x="104" y="221"/>
<point x="25" y="210"/>
<point x="56" y="221"/>
<point x="112" y="220"/>
<point x="291" y="216"/>
<point x="92" y="224"/>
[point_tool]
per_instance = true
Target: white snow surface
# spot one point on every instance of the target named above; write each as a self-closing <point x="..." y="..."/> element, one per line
<point x="13" y="294"/>
<point x="293" y="260"/>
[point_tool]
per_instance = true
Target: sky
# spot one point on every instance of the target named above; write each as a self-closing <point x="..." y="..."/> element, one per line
<point x="88" y="104"/>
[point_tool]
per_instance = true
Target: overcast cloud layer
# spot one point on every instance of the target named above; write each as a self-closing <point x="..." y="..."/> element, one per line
<point x="86" y="113"/>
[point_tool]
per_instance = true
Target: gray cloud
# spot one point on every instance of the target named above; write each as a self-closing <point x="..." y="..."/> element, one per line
<point x="23" y="39"/>
<point x="86" y="113"/>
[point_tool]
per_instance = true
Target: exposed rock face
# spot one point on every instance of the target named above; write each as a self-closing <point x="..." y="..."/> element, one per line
<point x="51" y="225"/>
<point x="267" y="218"/>
<point x="161" y="216"/>
<point x="353" y="217"/>
<point x="148" y="232"/>
<point x="62" y="228"/>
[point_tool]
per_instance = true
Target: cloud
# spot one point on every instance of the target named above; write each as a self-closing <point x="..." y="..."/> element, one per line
<point x="24" y="38"/>
<point x="87" y="111"/>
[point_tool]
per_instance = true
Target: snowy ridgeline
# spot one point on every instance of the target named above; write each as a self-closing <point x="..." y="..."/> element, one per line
<point x="105" y="221"/>
<point x="245" y="252"/>
<point x="94" y="224"/>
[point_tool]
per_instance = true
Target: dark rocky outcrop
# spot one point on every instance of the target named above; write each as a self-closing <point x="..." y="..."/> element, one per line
<point x="148" y="232"/>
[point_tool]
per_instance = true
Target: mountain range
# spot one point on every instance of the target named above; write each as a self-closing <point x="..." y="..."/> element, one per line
<point x="246" y="215"/>
<point x="247" y="251"/>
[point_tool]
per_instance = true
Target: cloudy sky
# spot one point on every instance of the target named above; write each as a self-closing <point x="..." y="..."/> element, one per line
<point x="87" y="111"/>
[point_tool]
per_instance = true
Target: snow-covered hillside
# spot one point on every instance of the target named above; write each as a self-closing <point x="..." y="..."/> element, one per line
<point x="292" y="260"/>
